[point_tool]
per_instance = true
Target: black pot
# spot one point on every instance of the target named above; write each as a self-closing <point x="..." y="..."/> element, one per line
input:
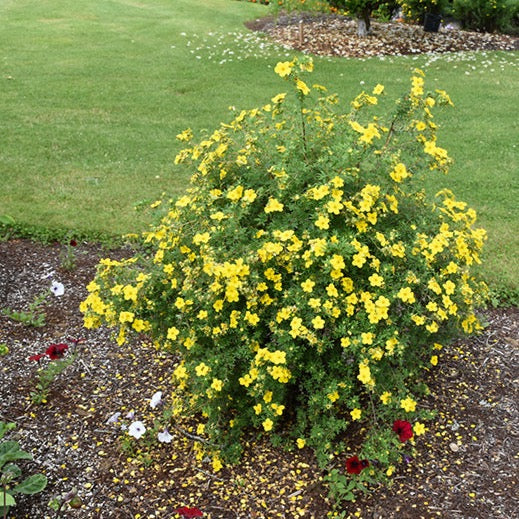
<point x="431" y="22"/>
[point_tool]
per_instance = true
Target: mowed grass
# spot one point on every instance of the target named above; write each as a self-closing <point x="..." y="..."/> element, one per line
<point x="92" y="94"/>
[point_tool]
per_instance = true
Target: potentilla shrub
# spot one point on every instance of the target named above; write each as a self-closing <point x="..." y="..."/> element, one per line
<point x="305" y="280"/>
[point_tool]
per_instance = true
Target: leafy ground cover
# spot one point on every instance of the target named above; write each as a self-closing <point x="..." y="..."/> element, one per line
<point x="464" y="466"/>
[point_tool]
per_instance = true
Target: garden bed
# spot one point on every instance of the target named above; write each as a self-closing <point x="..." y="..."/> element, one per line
<point x="333" y="35"/>
<point x="464" y="466"/>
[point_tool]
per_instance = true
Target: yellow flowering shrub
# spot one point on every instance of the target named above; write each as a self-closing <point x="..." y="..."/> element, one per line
<point x="304" y="280"/>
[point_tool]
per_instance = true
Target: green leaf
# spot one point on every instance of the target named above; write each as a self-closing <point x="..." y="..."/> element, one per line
<point x="13" y="469"/>
<point x="4" y="427"/>
<point x="9" y="499"/>
<point x="31" y="485"/>
<point x="10" y="451"/>
<point x="5" y="219"/>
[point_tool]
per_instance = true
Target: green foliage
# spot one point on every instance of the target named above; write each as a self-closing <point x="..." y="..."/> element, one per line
<point x="34" y="316"/>
<point x="4" y="350"/>
<point x="288" y="6"/>
<point x="416" y="9"/>
<point x="487" y="15"/>
<point x="67" y="255"/>
<point x="46" y="376"/>
<point x="10" y="451"/>
<point x="305" y="280"/>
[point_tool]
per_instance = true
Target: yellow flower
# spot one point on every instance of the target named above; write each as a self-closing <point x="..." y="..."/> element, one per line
<point x="419" y="428"/>
<point x="302" y="86"/>
<point x="399" y="173"/>
<point x="217" y="384"/>
<point x="217" y="464"/>
<point x="408" y="404"/>
<point x="202" y="369"/>
<point x="278" y="98"/>
<point x="267" y="424"/>
<point x="390" y="470"/>
<point x="367" y="338"/>
<point x="300" y="443"/>
<point x="235" y="194"/>
<point x="385" y="397"/>
<point x="308" y="285"/>
<point x="364" y="373"/>
<point x="283" y="69"/>
<point x="318" y="323"/>
<point x="172" y="333"/>
<point x="126" y="317"/>
<point x="434" y="360"/>
<point x="356" y="414"/>
<point x="406" y="295"/>
<point x="378" y="89"/>
<point x="130" y="293"/>
<point x="323" y="222"/>
<point x="273" y="205"/>
<point x="333" y="396"/>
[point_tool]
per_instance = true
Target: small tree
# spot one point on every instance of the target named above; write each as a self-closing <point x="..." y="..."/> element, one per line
<point x="362" y="10"/>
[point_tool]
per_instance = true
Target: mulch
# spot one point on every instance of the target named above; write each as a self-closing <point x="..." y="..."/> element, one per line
<point x="466" y="466"/>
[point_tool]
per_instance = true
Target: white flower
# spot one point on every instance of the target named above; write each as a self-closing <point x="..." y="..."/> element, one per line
<point x="130" y="415"/>
<point x="57" y="288"/>
<point x="114" y="418"/>
<point x="136" y="429"/>
<point x="156" y="399"/>
<point x="164" y="436"/>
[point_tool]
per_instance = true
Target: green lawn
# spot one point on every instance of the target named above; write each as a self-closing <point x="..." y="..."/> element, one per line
<point x="92" y="94"/>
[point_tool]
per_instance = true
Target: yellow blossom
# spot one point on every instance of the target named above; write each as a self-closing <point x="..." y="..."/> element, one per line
<point x="273" y="205"/>
<point x="408" y="404"/>
<point x="385" y="397"/>
<point x="356" y="414"/>
<point x="267" y="424"/>
<point x="283" y="69"/>
<point x="419" y="428"/>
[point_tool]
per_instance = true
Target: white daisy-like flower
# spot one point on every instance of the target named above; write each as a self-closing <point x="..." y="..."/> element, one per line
<point x="164" y="436"/>
<point x="136" y="429"/>
<point x="156" y="399"/>
<point x="57" y="288"/>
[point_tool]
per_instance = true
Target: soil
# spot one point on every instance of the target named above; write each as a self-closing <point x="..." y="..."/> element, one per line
<point x="465" y="466"/>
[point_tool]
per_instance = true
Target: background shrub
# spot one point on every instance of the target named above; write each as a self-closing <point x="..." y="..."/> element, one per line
<point x="488" y="15"/>
<point x="305" y="280"/>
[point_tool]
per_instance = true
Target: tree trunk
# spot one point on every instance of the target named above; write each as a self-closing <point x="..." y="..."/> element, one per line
<point x="364" y="23"/>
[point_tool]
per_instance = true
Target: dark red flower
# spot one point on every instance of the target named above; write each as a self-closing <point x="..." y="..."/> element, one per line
<point x="56" y="351"/>
<point x="404" y="430"/>
<point x="355" y="466"/>
<point x="73" y="242"/>
<point x="188" y="513"/>
<point x="37" y="357"/>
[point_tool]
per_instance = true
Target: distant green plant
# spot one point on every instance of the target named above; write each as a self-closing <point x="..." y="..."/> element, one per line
<point x="10" y="472"/>
<point x="67" y="255"/>
<point x="34" y="316"/>
<point x="4" y="350"/>
<point x="485" y="15"/>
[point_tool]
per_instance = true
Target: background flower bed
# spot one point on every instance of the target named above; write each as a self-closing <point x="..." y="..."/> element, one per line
<point x="465" y="467"/>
